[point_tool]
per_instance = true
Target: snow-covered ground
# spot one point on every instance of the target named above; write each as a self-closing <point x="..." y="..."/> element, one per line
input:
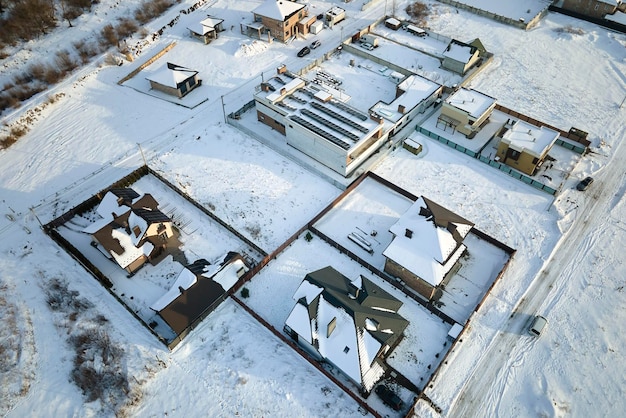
<point x="569" y="264"/>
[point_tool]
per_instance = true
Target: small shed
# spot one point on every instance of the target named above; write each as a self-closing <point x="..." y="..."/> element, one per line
<point x="174" y="79"/>
<point x="207" y="29"/>
<point x="316" y="27"/>
<point x="393" y="23"/>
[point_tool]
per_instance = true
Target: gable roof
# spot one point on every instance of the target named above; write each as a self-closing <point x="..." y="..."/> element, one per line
<point x="277" y="9"/>
<point x="428" y="240"/>
<point x="171" y="75"/>
<point x="350" y="322"/>
<point x="459" y="51"/>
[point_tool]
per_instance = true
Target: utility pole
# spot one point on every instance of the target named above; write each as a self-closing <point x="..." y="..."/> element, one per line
<point x="224" y="109"/>
<point x="142" y="156"/>
<point x="622" y="104"/>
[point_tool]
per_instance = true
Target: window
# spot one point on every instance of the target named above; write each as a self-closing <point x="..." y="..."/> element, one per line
<point x="346" y="349"/>
<point x="512" y="154"/>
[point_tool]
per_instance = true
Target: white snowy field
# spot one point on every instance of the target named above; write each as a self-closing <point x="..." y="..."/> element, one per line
<point x="569" y="265"/>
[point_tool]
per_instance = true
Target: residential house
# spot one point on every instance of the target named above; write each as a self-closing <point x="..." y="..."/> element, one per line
<point x="334" y="15"/>
<point x="352" y="324"/>
<point x="174" y="79"/>
<point x="594" y="8"/>
<point x="459" y="57"/>
<point x="279" y="18"/>
<point x="132" y="230"/>
<point x="199" y="288"/>
<point x="206" y="30"/>
<point x="524" y="146"/>
<point x="426" y="246"/>
<point x="466" y="111"/>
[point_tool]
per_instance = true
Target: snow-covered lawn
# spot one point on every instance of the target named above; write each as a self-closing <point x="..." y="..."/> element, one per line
<point x="568" y="247"/>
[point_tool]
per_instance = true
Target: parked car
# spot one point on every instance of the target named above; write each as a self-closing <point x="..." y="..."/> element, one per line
<point x="304" y="51"/>
<point x="315" y="44"/>
<point x="584" y="183"/>
<point x="367" y="45"/>
<point x="389" y="397"/>
<point x="537" y="326"/>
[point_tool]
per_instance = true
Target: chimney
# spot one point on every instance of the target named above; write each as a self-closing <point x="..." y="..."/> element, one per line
<point x="401" y="109"/>
<point x="408" y="233"/>
<point x="282" y="69"/>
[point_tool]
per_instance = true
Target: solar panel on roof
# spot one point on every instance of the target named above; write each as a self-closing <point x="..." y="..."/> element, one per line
<point x="328" y="123"/>
<point x="321" y="132"/>
<point x="349" y="109"/>
<point x="337" y="116"/>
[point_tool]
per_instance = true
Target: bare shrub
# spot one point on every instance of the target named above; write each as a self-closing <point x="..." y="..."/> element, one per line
<point x="418" y="11"/>
<point x="109" y="36"/>
<point x="570" y="29"/>
<point x="37" y="71"/>
<point x="126" y="27"/>
<point x="65" y="62"/>
<point x="86" y="50"/>
<point x="53" y="75"/>
<point x="151" y="9"/>
<point x="14" y="134"/>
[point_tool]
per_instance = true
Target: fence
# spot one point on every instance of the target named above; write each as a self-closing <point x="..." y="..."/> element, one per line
<point x="502" y="167"/>
<point x="569" y="135"/>
<point x="519" y="23"/>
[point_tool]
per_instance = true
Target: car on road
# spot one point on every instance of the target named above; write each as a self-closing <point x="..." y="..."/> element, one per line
<point x="315" y="44"/>
<point x="584" y="184"/>
<point x="367" y="45"/>
<point x="304" y="51"/>
<point x="389" y="397"/>
<point x="538" y="324"/>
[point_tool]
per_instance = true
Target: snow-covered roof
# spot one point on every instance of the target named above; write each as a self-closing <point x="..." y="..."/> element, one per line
<point x="619" y="17"/>
<point x="349" y="320"/>
<point x="138" y="227"/>
<point x="471" y="101"/>
<point x="171" y="75"/>
<point x="130" y="252"/>
<point x="424" y="246"/>
<point x="459" y="51"/>
<point x="116" y="202"/>
<point x="523" y="136"/>
<point x="277" y="10"/>
<point x="205" y="26"/>
<point x="184" y="281"/>
<point x="416" y="89"/>
<point x="393" y="21"/>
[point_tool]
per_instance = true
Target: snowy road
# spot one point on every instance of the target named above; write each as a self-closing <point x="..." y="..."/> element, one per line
<point x="482" y="392"/>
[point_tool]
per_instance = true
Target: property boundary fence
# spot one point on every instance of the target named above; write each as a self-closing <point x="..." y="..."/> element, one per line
<point x="519" y="23"/>
<point x="502" y="167"/>
<point x="569" y="135"/>
<point x="609" y="24"/>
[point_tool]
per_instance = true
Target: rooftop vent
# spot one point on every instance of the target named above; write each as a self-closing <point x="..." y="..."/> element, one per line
<point x="408" y="233"/>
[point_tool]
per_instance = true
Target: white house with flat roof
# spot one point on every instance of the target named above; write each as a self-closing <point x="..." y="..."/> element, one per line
<point x="414" y="94"/>
<point x="459" y="57"/>
<point x="524" y="146"/>
<point x="318" y="121"/>
<point x="466" y="110"/>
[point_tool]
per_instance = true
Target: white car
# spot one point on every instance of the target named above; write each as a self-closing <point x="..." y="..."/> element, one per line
<point x="315" y="44"/>
<point x="367" y="45"/>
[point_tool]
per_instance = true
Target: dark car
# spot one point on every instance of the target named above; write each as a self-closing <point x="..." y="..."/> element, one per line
<point x="584" y="183"/>
<point x="389" y="397"/>
<point x="304" y="51"/>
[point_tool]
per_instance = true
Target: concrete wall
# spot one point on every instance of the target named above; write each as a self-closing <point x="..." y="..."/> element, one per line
<point x="522" y="24"/>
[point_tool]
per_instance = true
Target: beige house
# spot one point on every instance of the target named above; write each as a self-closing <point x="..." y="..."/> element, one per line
<point x="132" y="230"/>
<point x="280" y="18"/>
<point x="174" y="80"/>
<point x="594" y="8"/>
<point x="426" y="247"/>
<point x="524" y="146"/>
<point x="466" y="111"/>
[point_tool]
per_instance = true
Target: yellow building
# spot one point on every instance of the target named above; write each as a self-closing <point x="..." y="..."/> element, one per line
<point x="466" y="111"/>
<point x="524" y="146"/>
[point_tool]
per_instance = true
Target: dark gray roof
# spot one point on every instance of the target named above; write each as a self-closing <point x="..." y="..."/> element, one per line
<point x="151" y="215"/>
<point x="340" y="292"/>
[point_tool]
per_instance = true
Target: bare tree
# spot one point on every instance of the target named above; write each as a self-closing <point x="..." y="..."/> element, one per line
<point x="71" y="9"/>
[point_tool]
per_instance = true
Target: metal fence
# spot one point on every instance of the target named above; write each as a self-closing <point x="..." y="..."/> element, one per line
<point x="502" y="167"/>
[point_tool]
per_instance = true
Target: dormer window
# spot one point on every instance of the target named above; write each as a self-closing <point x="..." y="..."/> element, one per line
<point x="136" y="230"/>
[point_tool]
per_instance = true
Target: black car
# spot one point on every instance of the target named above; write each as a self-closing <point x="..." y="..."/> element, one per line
<point x="304" y="51"/>
<point x="584" y="183"/>
<point x="389" y="397"/>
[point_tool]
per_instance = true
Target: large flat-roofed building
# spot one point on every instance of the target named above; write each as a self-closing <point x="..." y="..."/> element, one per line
<point x="466" y="111"/>
<point x="318" y="121"/>
<point x="524" y="146"/>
